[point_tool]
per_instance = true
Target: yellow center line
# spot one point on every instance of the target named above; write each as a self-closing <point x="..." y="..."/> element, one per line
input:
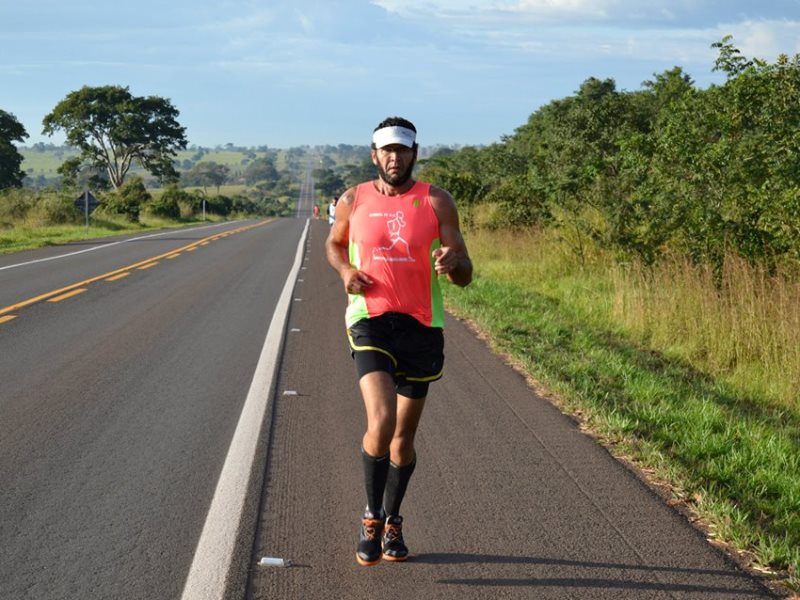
<point x="171" y="256"/>
<point x="85" y="282"/>
<point x="148" y="266"/>
<point x="7" y="318"/>
<point x="67" y="295"/>
<point x="120" y="276"/>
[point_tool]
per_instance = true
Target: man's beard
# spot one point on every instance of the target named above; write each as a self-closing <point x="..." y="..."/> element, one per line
<point x="396" y="180"/>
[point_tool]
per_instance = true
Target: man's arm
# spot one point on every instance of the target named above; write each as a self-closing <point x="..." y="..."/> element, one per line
<point x="355" y="281"/>
<point x="451" y="258"/>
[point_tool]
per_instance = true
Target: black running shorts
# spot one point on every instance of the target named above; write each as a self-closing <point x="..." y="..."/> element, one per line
<point x="403" y="347"/>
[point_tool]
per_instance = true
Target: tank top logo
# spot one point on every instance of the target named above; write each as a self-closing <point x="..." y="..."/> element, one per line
<point x="397" y="250"/>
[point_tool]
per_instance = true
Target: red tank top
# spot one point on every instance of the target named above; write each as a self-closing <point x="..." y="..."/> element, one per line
<point x="391" y="240"/>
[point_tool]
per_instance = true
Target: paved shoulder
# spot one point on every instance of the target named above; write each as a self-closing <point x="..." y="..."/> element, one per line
<point x="509" y="499"/>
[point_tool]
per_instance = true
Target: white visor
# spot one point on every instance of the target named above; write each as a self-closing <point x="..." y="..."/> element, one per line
<point x="394" y="135"/>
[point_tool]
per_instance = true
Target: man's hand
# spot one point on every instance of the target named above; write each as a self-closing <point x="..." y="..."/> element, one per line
<point x="355" y="281"/>
<point x="445" y="260"/>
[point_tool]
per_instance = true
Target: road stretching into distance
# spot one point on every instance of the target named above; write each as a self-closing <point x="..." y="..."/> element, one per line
<point x="126" y="364"/>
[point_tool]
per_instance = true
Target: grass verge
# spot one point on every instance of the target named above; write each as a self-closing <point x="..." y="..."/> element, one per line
<point x="730" y="458"/>
<point x="24" y="237"/>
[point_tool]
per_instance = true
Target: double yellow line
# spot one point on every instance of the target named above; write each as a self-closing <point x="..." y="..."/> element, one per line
<point x="79" y="287"/>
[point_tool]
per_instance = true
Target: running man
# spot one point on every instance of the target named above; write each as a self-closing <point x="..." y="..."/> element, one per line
<point x="391" y="239"/>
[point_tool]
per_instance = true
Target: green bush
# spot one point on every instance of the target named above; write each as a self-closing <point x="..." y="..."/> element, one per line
<point x="126" y="201"/>
<point x="54" y="208"/>
<point x="219" y="205"/>
<point x="167" y="204"/>
<point x="15" y="203"/>
<point x="21" y="206"/>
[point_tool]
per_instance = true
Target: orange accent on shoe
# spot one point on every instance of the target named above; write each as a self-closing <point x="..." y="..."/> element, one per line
<point x="393" y="532"/>
<point x="372" y="529"/>
<point x="365" y="563"/>
<point x="371" y="526"/>
<point x="395" y="558"/>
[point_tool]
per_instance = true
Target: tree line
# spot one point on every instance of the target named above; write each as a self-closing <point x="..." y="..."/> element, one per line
<point x="667" y="168"/>
<point x="119" y="136"/>
<point x="112" y="129"/>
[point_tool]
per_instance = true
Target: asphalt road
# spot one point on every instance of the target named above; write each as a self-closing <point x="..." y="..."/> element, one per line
<point x="123" y="373"/>
<point x="123" y="370"/>
<point x="509" y="500"/>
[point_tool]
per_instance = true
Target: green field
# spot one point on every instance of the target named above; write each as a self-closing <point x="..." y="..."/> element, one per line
<point x="224" y="190"/>
<point x="230" y="158"/>
<point x="44" y="163"/>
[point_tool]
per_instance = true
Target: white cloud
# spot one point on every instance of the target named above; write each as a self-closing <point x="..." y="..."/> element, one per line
<point x="531" y="10"/>
<point x="305" y="22"/>
<point x="551" y="8"/>
<point x="410" y="7"/>
<point x="677" y="31"/>
<point x="250" y="22"/>
<point x="764" y="39"/>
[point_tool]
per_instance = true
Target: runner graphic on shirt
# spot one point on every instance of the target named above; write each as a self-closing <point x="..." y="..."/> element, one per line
<point x="398" y="250"/>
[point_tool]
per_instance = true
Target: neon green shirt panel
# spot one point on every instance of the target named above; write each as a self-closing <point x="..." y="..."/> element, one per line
<point x="437" y="304"/>
<point x="357" y="306"/>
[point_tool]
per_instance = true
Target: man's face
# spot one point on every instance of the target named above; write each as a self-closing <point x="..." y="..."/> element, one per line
<point x="395" y="163"/>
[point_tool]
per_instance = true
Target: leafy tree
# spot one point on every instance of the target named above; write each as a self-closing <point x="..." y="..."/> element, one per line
<point x="75" y="175"/>
<point x="668" y="167"/>
<point x="328" y="182"/>
<point x="11" y="130"/>
<point x="462" y="174"/>
<point x="667" y="89"/>
<point x="113" y="129"/>
<point x="326" y="162"/>
<point x="261" y="170"/>
<point x="353" y="174"/>
<point x="207" y="173"/>
<point x="730" y="59"/>
<point x="728" y="155"/>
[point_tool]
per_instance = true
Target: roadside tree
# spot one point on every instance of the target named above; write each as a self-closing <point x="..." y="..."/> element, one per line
<point x="11" y="131"/>
<point x="114" y="129"/>
<point x="260" y="170"/>
<point x="207" y="173"/>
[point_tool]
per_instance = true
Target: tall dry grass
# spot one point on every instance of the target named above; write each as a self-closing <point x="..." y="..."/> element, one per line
<point x="744" y="332"/>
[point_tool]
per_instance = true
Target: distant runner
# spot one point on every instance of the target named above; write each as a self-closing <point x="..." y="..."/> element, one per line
<point x="390" y="240"/>
<point x="332" y="211"/>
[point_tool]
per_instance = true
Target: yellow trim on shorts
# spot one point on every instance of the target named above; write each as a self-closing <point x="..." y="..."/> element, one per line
<point x="425" y="379"/>
<point x="367" y="348"/>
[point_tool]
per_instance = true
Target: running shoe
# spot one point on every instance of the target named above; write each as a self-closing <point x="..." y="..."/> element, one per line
<point x="369" y="540"/>
<point x="394" y="548"/>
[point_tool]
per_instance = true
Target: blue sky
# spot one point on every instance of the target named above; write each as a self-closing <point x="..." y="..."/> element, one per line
<point x="285" y="73"/>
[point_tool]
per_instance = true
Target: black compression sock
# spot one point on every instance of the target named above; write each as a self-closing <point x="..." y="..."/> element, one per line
<point x="396" y="485"/>
<point x="375" y="471"/>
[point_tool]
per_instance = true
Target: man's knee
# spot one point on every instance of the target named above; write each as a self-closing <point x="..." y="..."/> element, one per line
<point x="381" y="431"/>
<point x="402" y="449"/>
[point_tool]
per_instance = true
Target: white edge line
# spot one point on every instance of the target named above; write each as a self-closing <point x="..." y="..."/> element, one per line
<point x="108" y="245"/>
<point x="214" y="554"/>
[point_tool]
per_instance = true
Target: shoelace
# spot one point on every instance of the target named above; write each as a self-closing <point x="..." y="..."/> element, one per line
<point x="393" y="532"/>
<point x="370" y="529"/>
